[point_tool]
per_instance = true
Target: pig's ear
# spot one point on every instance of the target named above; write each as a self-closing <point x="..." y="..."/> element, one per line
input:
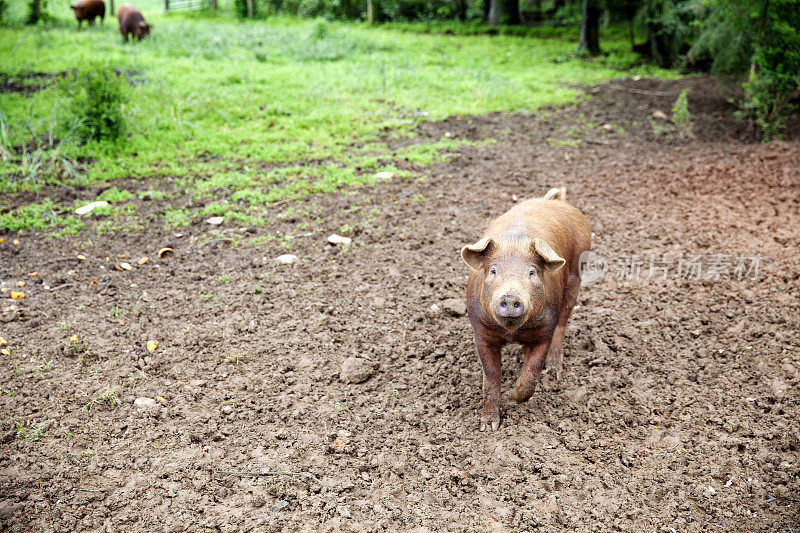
<point x="552" y="261"/>
<point x="473" y="254"/>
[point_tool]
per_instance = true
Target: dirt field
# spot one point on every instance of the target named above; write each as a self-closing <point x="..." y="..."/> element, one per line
<point x="678" y="408"/>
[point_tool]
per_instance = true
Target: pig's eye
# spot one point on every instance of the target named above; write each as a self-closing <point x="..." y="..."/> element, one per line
<point x="493" y="271"/>
<point x="532" y="272"/>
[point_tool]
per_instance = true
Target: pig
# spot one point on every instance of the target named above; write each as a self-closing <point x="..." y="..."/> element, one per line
<point x="89" y="10"/>
<point x="523" y="284"/>
<point x="131" y="22"/>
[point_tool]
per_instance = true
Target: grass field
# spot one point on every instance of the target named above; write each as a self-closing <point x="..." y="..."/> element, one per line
<point x="255" y="112"/>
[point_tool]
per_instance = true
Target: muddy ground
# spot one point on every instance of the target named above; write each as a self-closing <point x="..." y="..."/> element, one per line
<point x="678" y="408"/>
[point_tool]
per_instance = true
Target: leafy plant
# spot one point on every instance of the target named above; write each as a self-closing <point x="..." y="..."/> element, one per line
<point x="44" y="366"/>
<point x="42" y="157"/>
<point x="31" y="216"/>
<point x="681" y="117"/>
<point x="760" y="40"/>
<point x="99" y="94"/>
<point x="32" y="435"/>
<point x="240" y="8"/>
<point x="115" y="195"/>
<point x="107" y="397"/>
<point x="775" y="70"/>
<point x="669" y="30"/>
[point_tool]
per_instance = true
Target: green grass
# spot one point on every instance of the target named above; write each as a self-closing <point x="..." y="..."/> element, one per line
<point x="237" y="110"/>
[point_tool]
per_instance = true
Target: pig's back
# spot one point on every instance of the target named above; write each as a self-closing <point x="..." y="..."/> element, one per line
<point x="127" y="14"/>
<point x="558" y="223"/>
<point x="90" y="7"/>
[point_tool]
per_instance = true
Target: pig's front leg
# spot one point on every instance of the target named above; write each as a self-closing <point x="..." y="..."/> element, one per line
<point x="531" y="371"/>
<point x="556" y="353"/>
<point x="490" y="360"/>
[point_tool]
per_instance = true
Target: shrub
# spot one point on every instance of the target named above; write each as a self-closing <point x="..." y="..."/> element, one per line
<point x="98" y="96"/>
<point x="669" y="30"/>
<point x="681" y="117"/>
<point x="240" y="8"/>
<point x="758" y="39"/>
<point x="775" y="71"/>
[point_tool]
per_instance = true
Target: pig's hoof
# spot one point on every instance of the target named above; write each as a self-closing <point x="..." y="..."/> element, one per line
<point x="491" y="420"/>
<point x="519" y="397"/>
<point x="553" y="364"/>
<point x="556" y="372"/>
<point x="495" y="424"/>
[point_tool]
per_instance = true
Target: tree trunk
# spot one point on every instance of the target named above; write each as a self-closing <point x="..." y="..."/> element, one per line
<point x="250" y="9"/>
<point x="487" y="4"/>
<point x="631" y="34"/>
<point x="503" y="12"/>
<point x="212" y="4"/>
<point x="112" y="13"/>
<point x="35" y="14"/>
<point x="461" y="9"/>
<point x="590" y="28"/>
<point x="370" y="12"/>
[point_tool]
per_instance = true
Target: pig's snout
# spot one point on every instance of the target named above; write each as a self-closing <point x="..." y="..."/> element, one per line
<point x="510" y="307"/>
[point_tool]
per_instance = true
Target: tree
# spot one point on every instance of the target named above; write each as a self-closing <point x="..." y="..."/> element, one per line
<point x="503" y="12"/>
<point x="669" y="28"/>
<point x="35" y="13"/>
<point x="590" y="27"/>
<point x="460" y="8"/>
<point x="626" y="10"/>
<point x="773" y="29"/>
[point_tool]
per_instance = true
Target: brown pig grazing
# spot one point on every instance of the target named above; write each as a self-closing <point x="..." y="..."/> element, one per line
<point x="89" y="10"/>
<point x="131" y="22"/>
<point x="522" y="288"/>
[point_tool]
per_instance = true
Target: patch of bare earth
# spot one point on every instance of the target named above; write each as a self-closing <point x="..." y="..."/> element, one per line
<point x="678" y="407"/>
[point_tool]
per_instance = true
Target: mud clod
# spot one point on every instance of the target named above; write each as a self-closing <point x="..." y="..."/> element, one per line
<point x="356" y="370"/>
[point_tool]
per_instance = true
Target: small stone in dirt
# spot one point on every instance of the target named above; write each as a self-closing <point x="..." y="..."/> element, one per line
<point x="123" y="266"/>
<point x="148" y="405"/>
<point x="198" y="383"/>
<point x="216" y="221"/>
<point x="8" y="509"/>
<point x="384" y="175"/>
<point x="305" y="363"/>
<point x="660" y="115"/>
<point x="286" y="259"/>
<point x="259" y="501"/>
<point x="434" y="310"/>
<point x="227" y="409"/>
<point x="356" y="370"/>
<point x="710" y="491"/>
<point x="88" y="208"/>
<point x="338" y="239"/>
<point x="454" y="307"/>
<point x="607" y="127"/>
<point x="778" y="387"/>
<point x="144" y="402"/>
<point x="8" y="437"/>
